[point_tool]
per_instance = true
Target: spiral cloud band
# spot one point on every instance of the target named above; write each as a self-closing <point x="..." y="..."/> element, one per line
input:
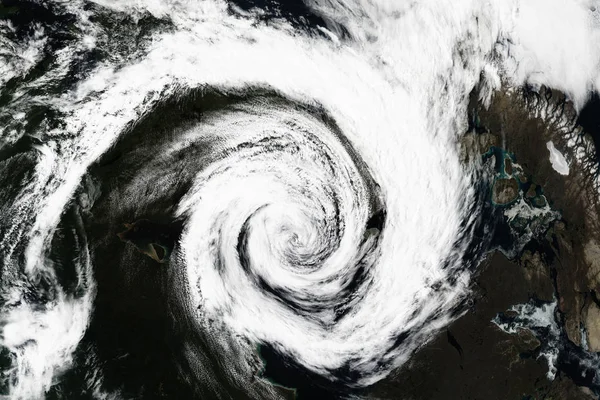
<point x="302" y="185"/>
<point x="282" y="241"/>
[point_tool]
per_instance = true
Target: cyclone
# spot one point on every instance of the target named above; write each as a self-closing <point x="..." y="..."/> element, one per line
<point x="249" y="179"/>
<point x="266" y="212"/>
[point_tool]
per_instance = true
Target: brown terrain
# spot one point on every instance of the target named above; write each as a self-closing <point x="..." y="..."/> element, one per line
<point x="473" y="358"/>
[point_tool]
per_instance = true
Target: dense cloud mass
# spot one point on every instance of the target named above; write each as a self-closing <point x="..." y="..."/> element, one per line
<point x="273" y="178"/>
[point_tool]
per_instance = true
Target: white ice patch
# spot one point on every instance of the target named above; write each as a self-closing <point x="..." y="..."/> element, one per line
<point x="584" y="337"/>
<point x="557" y="159"/>
<point x="524" y="210"/>
<point x="529" y="316"/>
